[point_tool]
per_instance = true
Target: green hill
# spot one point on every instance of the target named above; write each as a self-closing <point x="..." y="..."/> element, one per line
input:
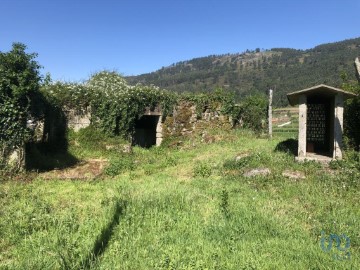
<point x="283" y="69"/>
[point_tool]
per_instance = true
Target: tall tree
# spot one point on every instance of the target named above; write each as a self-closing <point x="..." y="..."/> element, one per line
<point x="19" y="91"/>
<point x="19" y="74"/>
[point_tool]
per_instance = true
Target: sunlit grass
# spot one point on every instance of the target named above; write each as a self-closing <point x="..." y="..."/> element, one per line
<point x="188" y="207"/>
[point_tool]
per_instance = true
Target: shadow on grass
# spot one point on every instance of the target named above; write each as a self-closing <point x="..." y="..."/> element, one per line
<point x="104" y="237"/>
<point x="40" y="157"/>
<point x="288" y="146"/>
<point x="51" y="150"/>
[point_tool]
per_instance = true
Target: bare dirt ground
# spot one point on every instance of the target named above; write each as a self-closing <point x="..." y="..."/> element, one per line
<point x="85" y="170"/>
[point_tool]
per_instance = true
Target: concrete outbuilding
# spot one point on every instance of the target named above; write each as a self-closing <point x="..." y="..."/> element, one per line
<point x="320" y="121"/>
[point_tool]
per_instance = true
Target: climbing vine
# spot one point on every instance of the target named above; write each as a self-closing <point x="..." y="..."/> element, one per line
<point x="219" y="99"/>
<point x="352" y="114"/>
<point x="19" y="96"/>
<point x="67" y="95"/>
<point x="13" y="130"/>
<point x="116" y="105"/>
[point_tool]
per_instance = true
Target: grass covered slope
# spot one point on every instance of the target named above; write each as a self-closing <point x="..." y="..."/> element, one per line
<point x="186" y="207"/>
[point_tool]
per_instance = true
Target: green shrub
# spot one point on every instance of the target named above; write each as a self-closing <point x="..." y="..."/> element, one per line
<point x="253" y="112"/>
<point x="19" y="97"/>
<point x="352" y="115"/>
<point x="218" y="99"/>
<point x="68" y="95"/>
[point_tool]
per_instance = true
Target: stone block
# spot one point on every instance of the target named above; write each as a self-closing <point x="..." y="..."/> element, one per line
<point x="159" y="141"/>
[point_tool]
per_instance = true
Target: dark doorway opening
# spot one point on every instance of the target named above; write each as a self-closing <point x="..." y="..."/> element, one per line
<point x="145" y="131"/>
<point x="319" y="125"/>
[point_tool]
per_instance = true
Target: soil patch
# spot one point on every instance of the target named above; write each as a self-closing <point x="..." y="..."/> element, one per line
<point x="85" y="170"/>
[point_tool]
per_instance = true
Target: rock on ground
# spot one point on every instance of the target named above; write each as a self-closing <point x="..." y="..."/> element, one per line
<point x="257" y="172"/>
<point x="293" y="174"/>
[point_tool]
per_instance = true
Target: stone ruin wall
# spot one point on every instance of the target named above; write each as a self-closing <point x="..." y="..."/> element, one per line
<point x="77" y="119"/>
<point x="184" y="121"/>
<point x="187" y="120"/>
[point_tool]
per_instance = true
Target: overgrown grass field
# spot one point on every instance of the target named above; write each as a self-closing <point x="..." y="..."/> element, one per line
<point x="186" y="205"/>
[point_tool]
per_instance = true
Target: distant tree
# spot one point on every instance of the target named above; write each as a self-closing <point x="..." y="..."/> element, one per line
<point x="289" y="69"/>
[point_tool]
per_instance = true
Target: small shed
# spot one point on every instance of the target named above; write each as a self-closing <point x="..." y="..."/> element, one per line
<point x="321" y="110"/>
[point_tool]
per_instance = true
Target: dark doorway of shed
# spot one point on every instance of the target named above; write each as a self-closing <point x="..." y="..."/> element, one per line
<point x="319" y="127"/>
<point x="145" y="131"/>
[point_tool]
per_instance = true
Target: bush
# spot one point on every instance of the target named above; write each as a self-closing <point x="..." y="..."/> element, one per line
<point x="352" y="123"/>
<point x="352" y="115"/>
<point x="252" y="112"/>
<point x="19" y="96"/>
<point x="23" y="103"/>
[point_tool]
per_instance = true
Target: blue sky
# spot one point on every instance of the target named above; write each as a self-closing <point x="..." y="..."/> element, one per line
<point x="75" y="38"/>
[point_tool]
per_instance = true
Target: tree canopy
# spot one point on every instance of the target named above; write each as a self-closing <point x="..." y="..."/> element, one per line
<point x="19" y="92"/>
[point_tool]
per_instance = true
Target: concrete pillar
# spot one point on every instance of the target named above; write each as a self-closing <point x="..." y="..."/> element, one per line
<point x="302" y="126"/>
<point x="270" y="112"/>
<point x="159" y="135"/>
<point x="338" y="126"/>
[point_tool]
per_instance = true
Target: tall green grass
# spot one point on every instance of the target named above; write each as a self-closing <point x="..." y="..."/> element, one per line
<point x="188" y="207"/>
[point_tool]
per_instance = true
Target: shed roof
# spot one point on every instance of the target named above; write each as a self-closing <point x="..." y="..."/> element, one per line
<point x="321" y="89"/>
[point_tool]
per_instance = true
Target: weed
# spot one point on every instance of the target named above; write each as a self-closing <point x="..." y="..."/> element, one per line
<point x="148" y="170"/>
<point x="120" y="165"/>
<point x="202" y="169"/>
<point x="170" y="161"/>
<point x="224" y="203"/>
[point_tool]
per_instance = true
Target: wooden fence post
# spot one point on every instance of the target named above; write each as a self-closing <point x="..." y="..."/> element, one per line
<point x="270" y="112"/>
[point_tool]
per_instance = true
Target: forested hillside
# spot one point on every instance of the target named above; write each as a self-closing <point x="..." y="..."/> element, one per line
<point x="283" y="69"/>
